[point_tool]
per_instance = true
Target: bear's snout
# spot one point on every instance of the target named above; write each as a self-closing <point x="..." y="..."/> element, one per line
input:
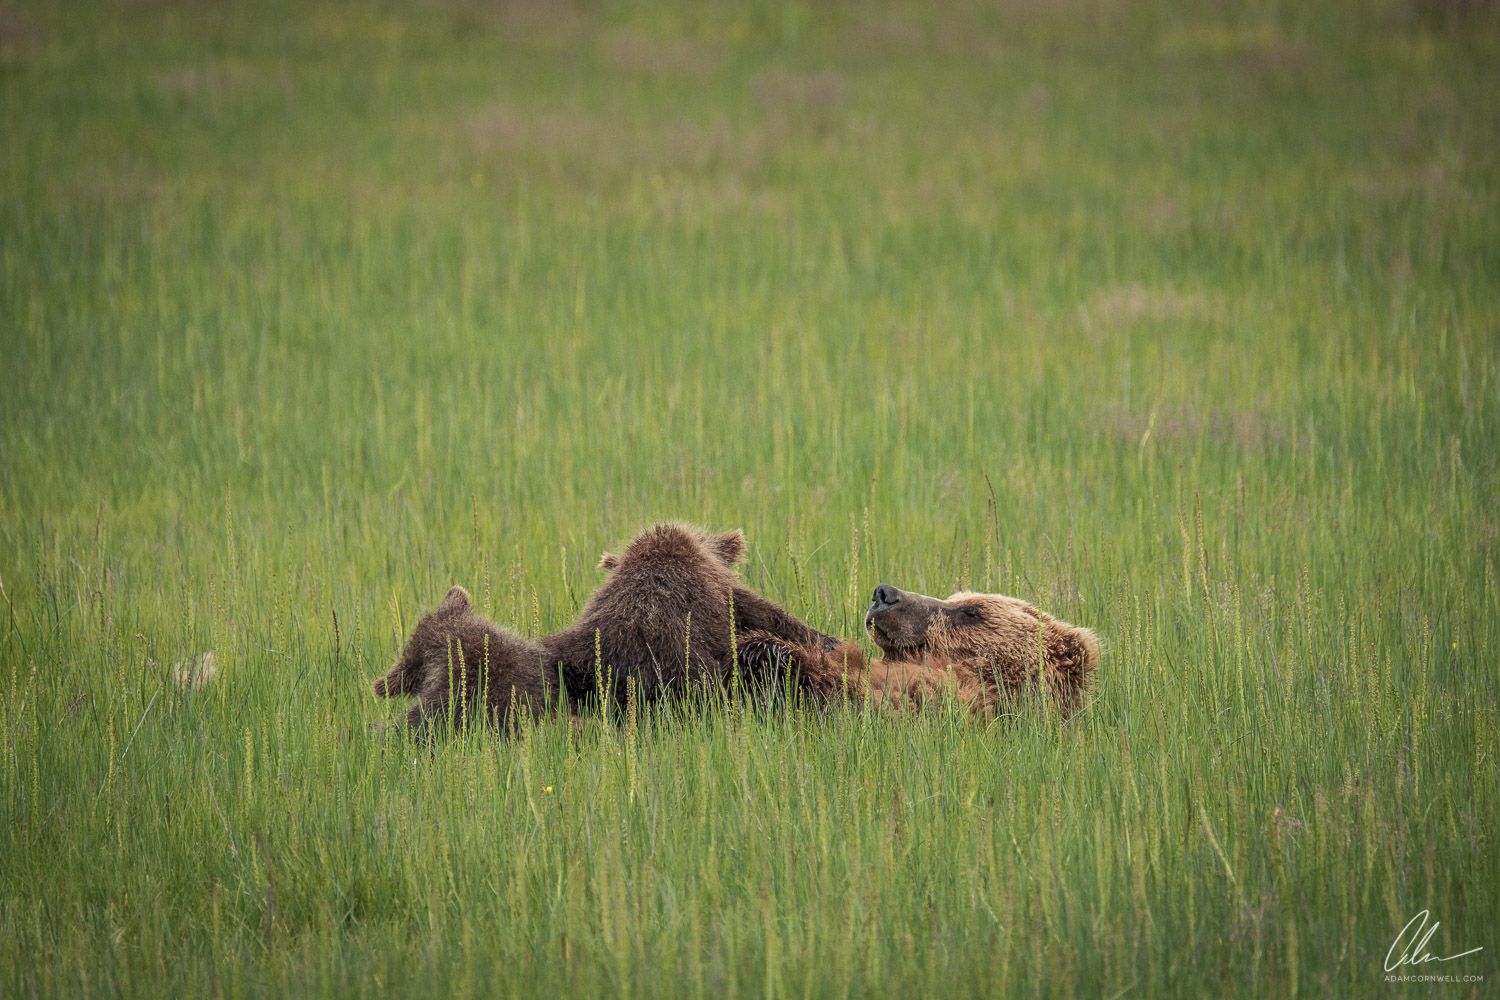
<point x="886" y="597"/>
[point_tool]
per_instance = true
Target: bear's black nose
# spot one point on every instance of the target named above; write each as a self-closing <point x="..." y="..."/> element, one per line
<point x="886" y="596"/>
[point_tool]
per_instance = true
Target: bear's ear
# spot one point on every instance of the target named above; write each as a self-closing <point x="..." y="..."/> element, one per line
<point x="729" y="546"/>
<point x="608" y="562"/>
<point x="457" y="597"/>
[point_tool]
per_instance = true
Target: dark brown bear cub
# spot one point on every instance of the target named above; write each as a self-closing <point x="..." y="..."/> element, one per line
<point x="661" y="621"/>
<point x="663" y="617"/>
<point x="496" y="672"/>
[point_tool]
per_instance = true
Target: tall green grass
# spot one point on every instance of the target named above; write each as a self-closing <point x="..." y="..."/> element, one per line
<point x="1180" y="322"/>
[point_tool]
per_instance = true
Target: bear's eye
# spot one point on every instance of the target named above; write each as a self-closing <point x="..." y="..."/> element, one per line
<point x="971" y="614"/>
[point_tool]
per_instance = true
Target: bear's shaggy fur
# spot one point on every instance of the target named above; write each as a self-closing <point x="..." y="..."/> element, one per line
<point x="988" y="650"/>
<point x="663" y="617"/>
<point x="496" y="671"/>
<point x="666" y="617"/>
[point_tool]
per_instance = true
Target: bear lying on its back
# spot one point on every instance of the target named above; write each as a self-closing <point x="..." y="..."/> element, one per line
<point x="662" y="620"/>
<point x="987" y="649"/>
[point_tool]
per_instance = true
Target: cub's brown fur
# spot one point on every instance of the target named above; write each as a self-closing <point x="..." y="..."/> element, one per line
<point x="661" y="621"/>
<point x="988" y="650"/>
<point x="495" y="671"/>
<point x="663" y="617"/>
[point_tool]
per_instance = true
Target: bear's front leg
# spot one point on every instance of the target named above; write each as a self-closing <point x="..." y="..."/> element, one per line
<point x="824" y="675"/>
<point x="753" y="613"/>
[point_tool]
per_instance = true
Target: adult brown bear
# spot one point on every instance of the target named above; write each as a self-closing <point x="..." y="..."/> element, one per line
<point x="989" y="650"/>
<point x="665" y="618"/>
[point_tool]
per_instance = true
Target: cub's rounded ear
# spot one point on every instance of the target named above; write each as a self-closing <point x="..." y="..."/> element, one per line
<point x="457" y="597"/>
<point x="729" y="546"/>
<point x="608" y="562"/>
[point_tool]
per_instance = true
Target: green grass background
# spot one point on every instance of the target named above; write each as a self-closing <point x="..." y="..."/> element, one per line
<point x="1180" y="320"/>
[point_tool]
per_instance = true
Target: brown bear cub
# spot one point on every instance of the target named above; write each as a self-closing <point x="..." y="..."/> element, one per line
<point x="989" y="650"/>
<point x="496" y="672"/>
<point x="665" y="618"/>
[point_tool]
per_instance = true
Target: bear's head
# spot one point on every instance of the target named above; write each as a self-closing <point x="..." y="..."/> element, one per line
<point x="907" y="626"/>
<point x="727" y="547"/>
<point x="453" y="616"/>
<point x="430" y="637"/>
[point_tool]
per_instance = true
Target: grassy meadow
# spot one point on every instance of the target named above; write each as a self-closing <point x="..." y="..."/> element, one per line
<point x="1181" y="320"/>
